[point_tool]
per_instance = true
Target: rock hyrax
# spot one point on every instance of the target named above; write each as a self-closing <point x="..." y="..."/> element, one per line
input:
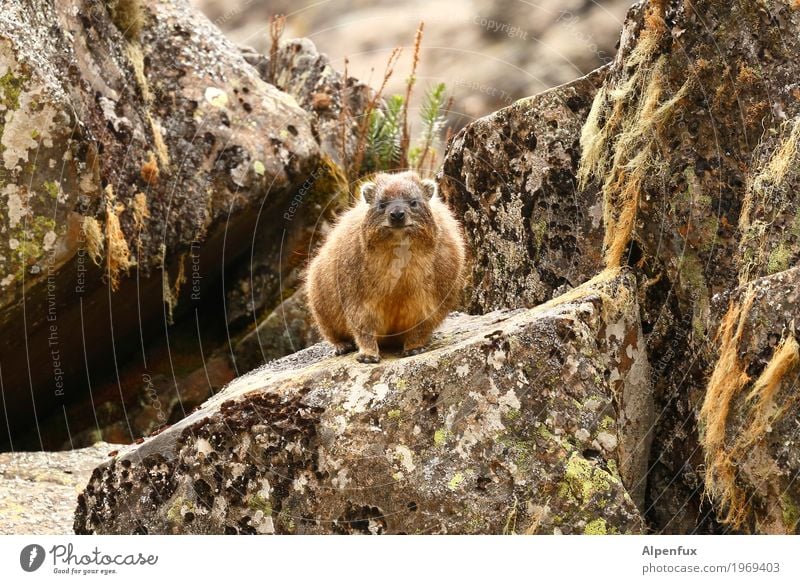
<point x="390" y="270"/>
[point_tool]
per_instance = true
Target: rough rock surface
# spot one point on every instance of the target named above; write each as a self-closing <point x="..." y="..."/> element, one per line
<point x="675" y="140"/>
<point x="38" y="489"/>
<point x="288" y="329"/>
<point x="510" y="177"/>
<point x="751" y="409"/>
<point x="689" y="162"/>
<point x="281" y="244"/>
<point x="134" y="143"/>
<point x="516" y="421"/>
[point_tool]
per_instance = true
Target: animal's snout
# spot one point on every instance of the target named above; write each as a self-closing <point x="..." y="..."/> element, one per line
<point x="397" y="216"/>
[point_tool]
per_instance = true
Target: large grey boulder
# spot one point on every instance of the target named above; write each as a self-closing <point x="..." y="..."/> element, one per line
<point x="517" y="421"/>
<point x="133" y="136"/>
<point x="511" y="178"/>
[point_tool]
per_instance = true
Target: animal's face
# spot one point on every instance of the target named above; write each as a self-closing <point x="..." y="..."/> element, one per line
<point x="398" y="205"/>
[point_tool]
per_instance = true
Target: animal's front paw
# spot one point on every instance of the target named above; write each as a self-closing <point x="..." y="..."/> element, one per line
<point x="344" y="348"/>
<point x="414" y="351"/>
<point x="368" y="358"/>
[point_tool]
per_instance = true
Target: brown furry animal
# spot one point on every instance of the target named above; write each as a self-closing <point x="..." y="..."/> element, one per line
<point x="390" y="271"/>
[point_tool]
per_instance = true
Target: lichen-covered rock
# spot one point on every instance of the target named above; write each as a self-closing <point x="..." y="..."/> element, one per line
<point x="38" y="490"/>
<point x="770" y="218"/>
<point x="281" y="245"/>
<point x="691" y="142"/>
<point x="511" y="178"/>
<point x="288" y="329"/>
<point x="140" y="140"/>
<point x="516" y="421"/>
<point x="751" y="408"/>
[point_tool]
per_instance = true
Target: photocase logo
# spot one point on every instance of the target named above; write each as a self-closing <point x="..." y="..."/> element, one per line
<point x="31" y="557"/>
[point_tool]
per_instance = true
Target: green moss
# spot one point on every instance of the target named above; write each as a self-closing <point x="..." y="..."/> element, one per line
<point x="259" y="503"/>
<point x="779" y="259"/>
<point x="538" y="230"/>
<point x="285" y="519"/>
<point x="28" y="252"/>
<point x="586" y="480"/>
<point x="10" y="88"/>
<point x="51" y="187"/>
<point x="329" y="185"/>
<point x="600" y="527"/>
<point x="440" y="436"/>
<point x="395" y="414"/>
<point x="691" y="274"/>
<point x="795" y="229"/>
<point x="791" y="513"/>
<point x="128" y="17"/>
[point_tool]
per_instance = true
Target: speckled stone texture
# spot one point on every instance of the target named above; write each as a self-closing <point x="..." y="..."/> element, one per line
<point x="761" y="434"/>
<point x="187" y="137"/>
<point x="697" y="101"/>
<point x="516" y="421"/>
<point x="510" y="177"/>
<point x="38" y="490"/>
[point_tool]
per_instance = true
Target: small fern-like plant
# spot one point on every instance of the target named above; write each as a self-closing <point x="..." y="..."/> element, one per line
<point x="384" y="132"/>
<point x="383" y="139"/>
<point x="433" y="116"/>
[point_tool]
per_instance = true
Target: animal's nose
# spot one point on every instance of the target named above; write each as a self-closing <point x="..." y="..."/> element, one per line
<point x="397" y="216"/>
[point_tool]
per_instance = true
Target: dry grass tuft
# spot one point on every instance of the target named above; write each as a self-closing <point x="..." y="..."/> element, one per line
<point x="765" y="410"/>
<point x="620" y="138"/>
<point x="118" y="257"/>
<point x="729" y="378"/>
<point x="141" y="212"/>
<point x="128" y="17"/>
<point x="95" y="241"/>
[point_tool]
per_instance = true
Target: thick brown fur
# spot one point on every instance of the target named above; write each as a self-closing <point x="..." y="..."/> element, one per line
<point x="389" y="271"/>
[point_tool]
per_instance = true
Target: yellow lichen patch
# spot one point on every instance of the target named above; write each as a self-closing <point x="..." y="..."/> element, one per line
<point x="93" y="236"/>
<point x="141" y="212"/>
<point x="118" y="256"/>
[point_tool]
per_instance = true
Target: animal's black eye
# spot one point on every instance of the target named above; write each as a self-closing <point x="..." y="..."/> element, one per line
<point x="381" y="206"/>
<point x="413" y="203"/>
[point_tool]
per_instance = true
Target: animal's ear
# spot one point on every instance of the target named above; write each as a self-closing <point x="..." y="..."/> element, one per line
<point x="368" y="191"/>
<point x="428" y="188"/>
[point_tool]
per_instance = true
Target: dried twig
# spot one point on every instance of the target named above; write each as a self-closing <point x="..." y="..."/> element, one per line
<point x="405" y="140"/>
<point x="277" y="24"/>
<point x="363" y="126"/>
